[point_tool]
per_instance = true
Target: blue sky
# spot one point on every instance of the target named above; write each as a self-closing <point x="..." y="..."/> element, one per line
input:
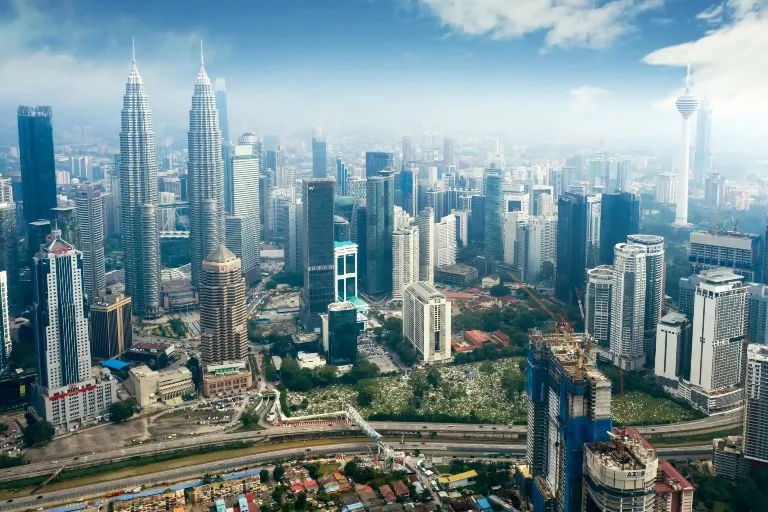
<point x="538" y="70"/>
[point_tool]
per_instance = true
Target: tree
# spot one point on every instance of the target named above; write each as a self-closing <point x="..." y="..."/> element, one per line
<point x="547" y="270"/>
<point x="364" y="396"/>
<point x="499" y="290"/>
<point x="162" y="361"/>
<point x="177" y="325"/>
<point x="3" y="428"/>
<point x="11" y="461"/>
<point x="193" y="365"/>
<point x="277" y="473"/>
<point x="301" y="501"/>
<point x="120" y="411"/>
<point x="264" y="476"/>
<point x="38" y="433"/>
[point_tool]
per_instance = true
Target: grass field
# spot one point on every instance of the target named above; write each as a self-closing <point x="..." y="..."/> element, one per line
<point x="640" y="409"/>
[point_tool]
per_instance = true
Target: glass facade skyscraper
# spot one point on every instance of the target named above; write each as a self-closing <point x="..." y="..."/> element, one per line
<point x="317" y="236"/>
<point x="319" y="156"/>
<point x="38" y="171"/>
<point x="619" y="218"/>
<point x="494" y="209"/>
<point x="380" y="207"/>
<point x="377" y="161"/>
<point x="571" y="246"/>
<point x="342" y="333"/>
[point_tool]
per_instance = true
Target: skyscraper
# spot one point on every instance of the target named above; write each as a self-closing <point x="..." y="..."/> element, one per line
<point x="756" y="406"/>
<point x="426" y="224"/>
<point x="448" y="156"/>
<point x="243" y="226"/>
<point x="221" y="108"/>
<point x="316" y="232"/>
<point x="686" y="104"/>
<point x="702" y="157"/>
<point x="620" y="217"/>
<point x="206" y="174"/>
<point x="666" y="188"/>
<point x="540" y="244"/>
<point x="446" y="246"/>
<point x="494" y="211"/>
<point x="654" y="286"/>
<point x="38" y="171"/>
<point x="90" y="221"/>
<point x="342" y="333"/>
<point x="405" y="254"/>
<point x="342" y="177"/>
<point x="380" y="205"/>
<point x="628" y="307"/>
<point x="66" y="391"/>
<point x="571" y="246"/>
<point x="319" y="155"/>
<point x="719" y="333"/>
<point x="735" y="250"/>
<point x="138" y="199"/>
<point x="408" y="155"/>
<point x="5" y="326"/>
<point x="9" y="252"/>
<point x="714" y="190"/>
<point x="409" y="190"/>
<point x="223" y="319"/>
<point x="111" y="326"/>
<point x="599" y="300"/>
<point x="427" y="322"/>
<point x="377" y="161"/>
<point x="561" y="373"/>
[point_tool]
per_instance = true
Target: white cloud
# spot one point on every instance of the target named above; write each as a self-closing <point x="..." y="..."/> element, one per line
<point x="729" y="63"/>
<point x="587" y="23"/>
<point x="586" y="97"/>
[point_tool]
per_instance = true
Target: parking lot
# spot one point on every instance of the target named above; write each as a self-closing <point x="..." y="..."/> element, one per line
<point x="376" y="354"/>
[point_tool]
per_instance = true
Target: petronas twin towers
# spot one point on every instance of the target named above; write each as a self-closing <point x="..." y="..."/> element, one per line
<point x="138" y="189"/>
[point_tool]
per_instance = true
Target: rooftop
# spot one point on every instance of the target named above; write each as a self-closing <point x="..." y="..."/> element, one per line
<point x="459" y="476"/>
<point x="673" y="317"/>
<point x="341" y="306"/>
<point x="757" y="353"/>
<point x="424" y="290"/>
<point x="457" y="269"/>
<point x="720" y="276"/>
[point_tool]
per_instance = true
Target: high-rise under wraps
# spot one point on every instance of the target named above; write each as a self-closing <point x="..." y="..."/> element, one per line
<point x="206" y="174"/>
<point x="569" y="405"/>
<point x="138" y="199"/>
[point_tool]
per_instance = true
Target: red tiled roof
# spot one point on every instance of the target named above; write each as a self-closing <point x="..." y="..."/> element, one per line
<point x="673" y="473"/>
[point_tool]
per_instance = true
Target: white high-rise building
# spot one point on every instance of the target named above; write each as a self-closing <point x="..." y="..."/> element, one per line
<point x="599" y="303"/>
<point x="671" y="334"/>
<point x="67" y="392"/>
<point x="445" y="243"/>
<point x="686" y="104"/>
<point x="138" y="200"/>
<point x="243" y="226"/>
<point x="654" y="286"/>
<point x="89" y="208"/>
<point x="206" y="174"/>
<point x="426" y="223"/>
<point x="427" y="322"/>
<point x="401" y="218"/>
<point x="666" y="188"/>
<point x="356" y="187"/>
<point x="544" y="205"/>
<point x="540" y="246"/>
<point x="5" y="326"/>
<point x="513" y="234"/>
<point x="756" y="406"/>
<point x="167" y="218"/>
<point x="594" y="214"/>
<point x="628" y="307"/>
<point x="405" y="255"/>
<point x="719" y="330"/>
<point x="462" y="225"/>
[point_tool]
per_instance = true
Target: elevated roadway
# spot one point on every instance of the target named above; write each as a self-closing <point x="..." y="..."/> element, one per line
<point x="317" y="429"/>
<point x="166" y="478"/>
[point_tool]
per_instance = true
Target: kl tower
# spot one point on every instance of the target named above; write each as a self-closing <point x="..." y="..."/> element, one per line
<point x="686" y="104"/>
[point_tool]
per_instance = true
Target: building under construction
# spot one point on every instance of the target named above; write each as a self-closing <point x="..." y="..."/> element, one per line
<point x="569" y="406"/>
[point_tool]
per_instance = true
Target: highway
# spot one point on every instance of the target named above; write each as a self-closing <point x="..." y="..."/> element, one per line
<point x="510" y="432"/>
<point x="179" y="475"/>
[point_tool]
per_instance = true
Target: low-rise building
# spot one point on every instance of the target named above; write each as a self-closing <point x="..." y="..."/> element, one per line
<point x="728" y="458"/>
<point x="458" y="480"/>
<point x="226" y="378"/>
<point x="456" y="275"/>
<point x="209" y="493"/>
<point x="309" y="360"/>
<point x="148" y="386"/>
<point x="155" y="503"/>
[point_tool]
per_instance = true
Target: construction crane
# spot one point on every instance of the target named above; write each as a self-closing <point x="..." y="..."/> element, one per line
<point x="560" y="321"/>
<point x="588" y="341"/>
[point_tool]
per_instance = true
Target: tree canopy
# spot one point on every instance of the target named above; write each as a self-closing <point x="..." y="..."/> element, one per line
<point x="38" y="433"/>
<point x="120" y="411"/>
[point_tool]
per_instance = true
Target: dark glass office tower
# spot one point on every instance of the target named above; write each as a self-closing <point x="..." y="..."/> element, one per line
<point x="317" y="235"/>
<point x="619" y="218"/>
<point x="376" y="161"/>
<point x="494" y="210"/>
<point x="477" y="221"/>
<point x="409" y="184"/>
<point x="38" y="171"/>
<point x="342" y="333"/>
<point x="9" y="255"/>
<point x="380" y="226"/>
<point x="358" y="234"/>
<point x="319" y="157"/>
<point x="571" y="246"/>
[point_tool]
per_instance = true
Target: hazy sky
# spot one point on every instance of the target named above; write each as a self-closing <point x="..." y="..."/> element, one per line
<point x="542" y="70"/>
